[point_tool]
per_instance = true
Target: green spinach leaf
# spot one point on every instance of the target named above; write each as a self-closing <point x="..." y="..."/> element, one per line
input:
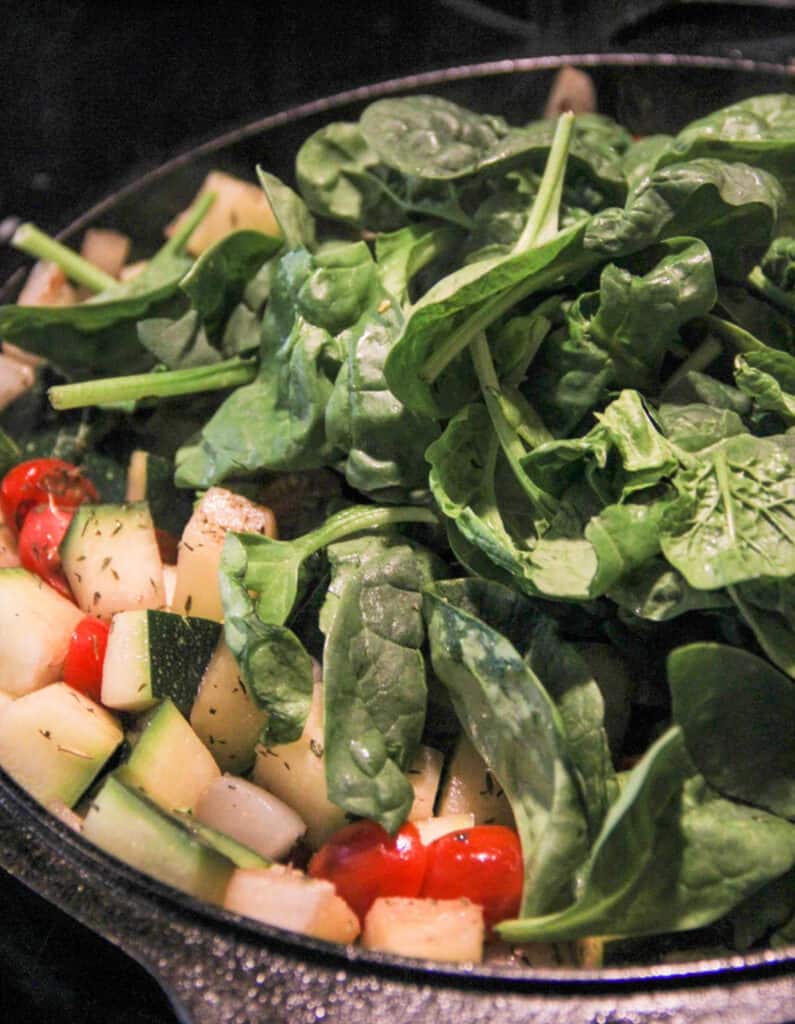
<point x="516" y="728"/>
<point x="375" y="691"/>
<point x="736" y="712"/>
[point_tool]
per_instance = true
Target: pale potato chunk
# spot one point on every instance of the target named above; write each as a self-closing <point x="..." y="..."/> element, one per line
<point x="433" y="828"/>
<point x="106" y="249"/>
<point x="296" y="773"/>
<point x="224" y="716"/>
<point x="287" y="898"/>
<point x="46" y="285"/>
<point x="16" y="376"/>
<point x="450" y="930"/>
<point x="238" y="205"/>
<point x="251" y="815"/>
<point x="9" y="555"/>
<point x="5" y="700"/>
<point x="424" y="775"/>
<point x="54" y="741"/>
<point x="36" y="625"/>
<point x="197" y="590"/>
<point x="471" y="787"/>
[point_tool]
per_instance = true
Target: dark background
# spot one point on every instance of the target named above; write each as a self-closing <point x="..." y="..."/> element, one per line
<point x="91" y="97"/>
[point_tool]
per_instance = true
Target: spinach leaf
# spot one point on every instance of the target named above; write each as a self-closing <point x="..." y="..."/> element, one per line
<point x="768" y="377"/>
<point x="778" y="263"/>
<point x="384" y="442"/>
<point x="464" y="464"/>
<point x="697" y="426"/>
<point x="515" y="727"/>
<point x="402" y="254"/>
<point x="294" y="219"/>
<point x="719" y="203"/>
<point x="278" y="421"/>
<point x="671" y="856"/>
<point x="268" y="572"/>
<point x="698" y="388"/>
<point x="736" y="712"/>
<point x="428" y="137"/>
<point x="99" y="336"/>
<point x="618" y="336"/>
<point x="623" y="453"/>
<point x="374" y="686"/>
<point x="569" y="681"/>
<point x="759" y="131"/>
<point x="768" y="608"/>
<point x="216" y="282"/>
<point x="732" y="519"/>
<point x="656" y="592"/>
<point x="641" y="158"/>
<point x="340" y="176"/>
<point x="705" y="199"/>
<point x="178" y="344"/>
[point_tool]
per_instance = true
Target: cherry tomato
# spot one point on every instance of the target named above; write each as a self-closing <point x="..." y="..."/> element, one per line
<point x="42" y="482"/>
<point x="365" y="862"/>
<point x="39" y="538"/>
<point x="483" y="864"/>
<point x="82" y="668"/>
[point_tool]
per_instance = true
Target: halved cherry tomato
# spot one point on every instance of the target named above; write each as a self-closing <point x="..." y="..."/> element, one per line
<point x="42" y="482"/>
<point x="82" y="668"/>
<point x="39" y="538"/>
<point x="483" y="864"/>
<point x="365" y="862"/>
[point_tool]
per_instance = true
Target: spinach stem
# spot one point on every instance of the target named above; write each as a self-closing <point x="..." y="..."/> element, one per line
<point x="158" y="384"/>
<point x="362" y="517"/>
<point x="541" y="226"/>
<point x="33" y="241"/>
<point x="193" y="217"/>
<point x="509" y="438"/>
<point x="493" y="309"/>
<point x="697" y="361"/>
<point x="762" y="284"/>
<point x="739" y="339"/>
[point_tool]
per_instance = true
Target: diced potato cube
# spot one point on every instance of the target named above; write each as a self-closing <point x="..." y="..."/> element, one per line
<point x="238" y="204"/>
<point x="471" y="787"/>
<point x="9" y="555"/>
<point x="47" y="286"/>
<point x="296" y="773"/>
<point x="16" y="376"/>
<point x="450" y="930"/>
<point x="36" y="625"/>
<point x="197" y="589"/>
<point x="432" y="828"/>
<point x="54" y="741"/>
<point x="106" y="249"/>
<point x="287" y="898"/>
<point x="424" y="775"/>
<point x="251" y="815"/>
<point x="224" y="716"/>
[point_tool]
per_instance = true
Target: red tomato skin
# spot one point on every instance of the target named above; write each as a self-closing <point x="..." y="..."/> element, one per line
<point x="43" y="481"/>
<point x="82" y="668"/>
<point x="39" y="538"/>
<point x="483" y="864"/>
<point x="365" y="862"/>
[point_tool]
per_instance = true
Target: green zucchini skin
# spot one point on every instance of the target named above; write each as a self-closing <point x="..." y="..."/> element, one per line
<point x="153" y="655"/>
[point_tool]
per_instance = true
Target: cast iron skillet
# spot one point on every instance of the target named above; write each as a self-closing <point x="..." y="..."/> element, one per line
<point x="217" y="967"/>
